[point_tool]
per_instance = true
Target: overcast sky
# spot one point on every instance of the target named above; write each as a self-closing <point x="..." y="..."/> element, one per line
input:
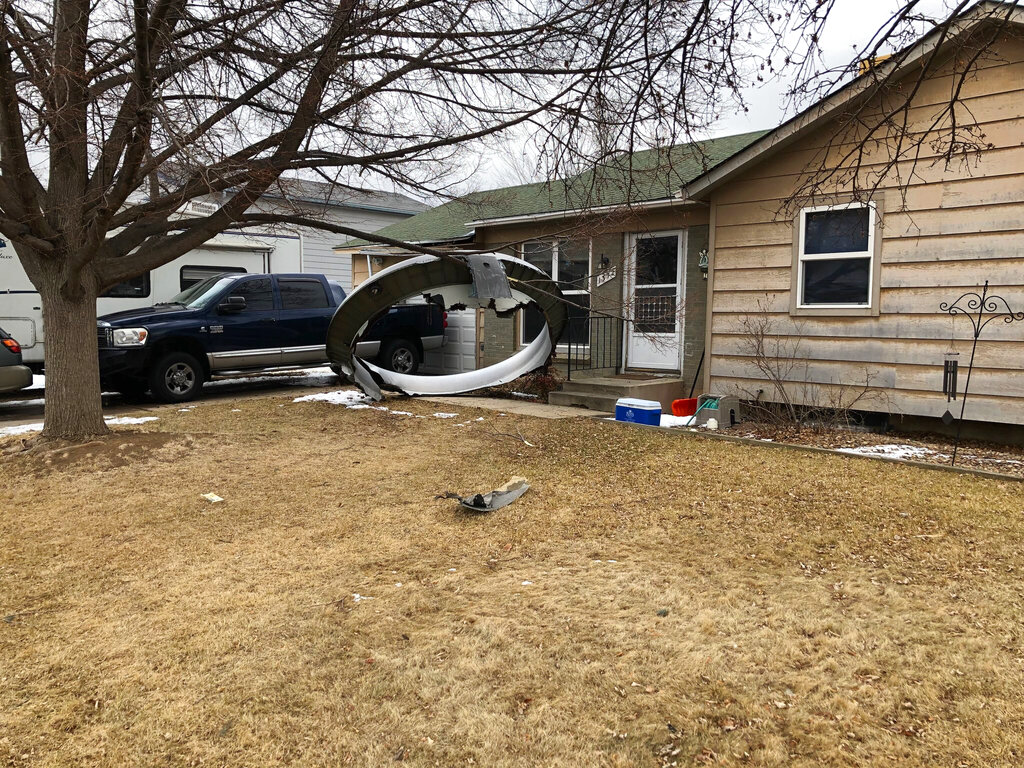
<point x="850" y="27"/>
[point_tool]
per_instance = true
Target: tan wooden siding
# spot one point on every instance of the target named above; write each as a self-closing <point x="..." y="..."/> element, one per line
<point x="946" y="232"/>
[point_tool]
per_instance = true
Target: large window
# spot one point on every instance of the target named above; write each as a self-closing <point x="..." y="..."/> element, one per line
<point x="835" y="256"/>
<point x="567" y="262"/>
<point x="136" y="288"/>
<point x="192" y="274"/>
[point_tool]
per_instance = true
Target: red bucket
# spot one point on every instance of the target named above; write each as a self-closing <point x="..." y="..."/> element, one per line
<point x="685" y="407"/>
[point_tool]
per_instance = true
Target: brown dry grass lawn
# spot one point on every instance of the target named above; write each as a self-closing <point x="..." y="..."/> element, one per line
<point x="689" y="601"/>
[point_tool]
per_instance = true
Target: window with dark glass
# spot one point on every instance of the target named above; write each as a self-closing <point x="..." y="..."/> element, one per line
<point x="257" y="292"/>
<point x="568" y="263"/>
<point x="302" y="294"/>
<point x="136" y="288"/>
<point x="835" y="256"/>
<point x="192" y="274"/>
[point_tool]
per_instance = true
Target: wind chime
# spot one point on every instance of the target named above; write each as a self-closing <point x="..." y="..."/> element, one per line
<point x="981" y="309"/>
<point x="949" y="368"/>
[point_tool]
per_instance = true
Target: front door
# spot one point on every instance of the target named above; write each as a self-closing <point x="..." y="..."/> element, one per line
<point x="654" y="289"/>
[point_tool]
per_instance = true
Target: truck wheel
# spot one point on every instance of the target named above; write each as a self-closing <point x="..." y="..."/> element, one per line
<point x="176" y="377"/>
<point x="400" y="356"/>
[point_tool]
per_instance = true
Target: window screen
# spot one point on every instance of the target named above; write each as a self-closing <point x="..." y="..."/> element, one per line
<point x="839" y="231"/>
<point x="540" y="255"/>
<point x="836" y="281"/>
<point x="835" y="256"/>
<point x="302" y="294"/>
<point x="577" y="331"/>
<point x="573" y="264"/>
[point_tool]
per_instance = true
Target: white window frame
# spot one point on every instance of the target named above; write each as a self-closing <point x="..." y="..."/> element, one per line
<point x="868" y="254"/>
<point x="553" y="273"/>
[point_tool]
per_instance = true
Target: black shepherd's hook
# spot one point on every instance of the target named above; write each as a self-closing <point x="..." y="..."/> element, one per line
<point x="981" y="309"/>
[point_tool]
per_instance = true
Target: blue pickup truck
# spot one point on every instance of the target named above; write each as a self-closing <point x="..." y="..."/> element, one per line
<point x="232" y="322"/>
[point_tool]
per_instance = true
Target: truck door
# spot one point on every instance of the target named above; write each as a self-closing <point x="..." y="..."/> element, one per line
<point x="246" y="338"/>
<point x="305" y="314"/>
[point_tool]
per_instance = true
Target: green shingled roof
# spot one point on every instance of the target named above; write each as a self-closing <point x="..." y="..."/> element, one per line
<point x="653" y="174"/>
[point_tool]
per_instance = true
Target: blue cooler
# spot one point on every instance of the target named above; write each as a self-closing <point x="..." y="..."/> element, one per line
<point x="638" y="411"/>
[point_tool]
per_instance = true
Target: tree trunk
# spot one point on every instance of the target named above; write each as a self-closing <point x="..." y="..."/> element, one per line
<point x="74" y="408"/>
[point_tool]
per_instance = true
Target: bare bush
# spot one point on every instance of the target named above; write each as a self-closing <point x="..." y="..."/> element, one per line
<point x="792" y="399"/>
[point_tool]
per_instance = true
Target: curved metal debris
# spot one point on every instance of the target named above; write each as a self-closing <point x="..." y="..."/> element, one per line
<point x="453" y="280"/>
<point x="493" y="500"/>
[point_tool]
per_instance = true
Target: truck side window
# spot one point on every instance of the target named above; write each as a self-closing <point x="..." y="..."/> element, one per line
<point x="302" y="294"/>
<point x="257" y="292"/>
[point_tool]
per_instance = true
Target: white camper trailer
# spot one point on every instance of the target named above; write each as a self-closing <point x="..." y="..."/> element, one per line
<point x="21" y="312"/>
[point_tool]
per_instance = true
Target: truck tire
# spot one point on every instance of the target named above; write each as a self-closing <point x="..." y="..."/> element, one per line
<point x="175" y="378"/>
<point x="400" y="356"/>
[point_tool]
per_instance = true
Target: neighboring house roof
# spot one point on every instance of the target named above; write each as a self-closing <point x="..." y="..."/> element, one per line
<point x="866" y="85"/>
<point x="340" y="195"/>
<point x="637" y="178"/>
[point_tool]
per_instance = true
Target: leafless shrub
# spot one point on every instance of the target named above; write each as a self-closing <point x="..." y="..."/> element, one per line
<point x="792" y="398"/>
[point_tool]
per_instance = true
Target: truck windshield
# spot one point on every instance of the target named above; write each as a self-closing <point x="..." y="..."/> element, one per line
<point x="202" y="293"/>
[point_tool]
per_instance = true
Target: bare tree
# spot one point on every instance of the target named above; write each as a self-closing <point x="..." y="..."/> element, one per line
<point x="116" y="114"/>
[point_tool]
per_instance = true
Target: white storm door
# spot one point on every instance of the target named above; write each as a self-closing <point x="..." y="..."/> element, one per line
<point x="654" y="291"/>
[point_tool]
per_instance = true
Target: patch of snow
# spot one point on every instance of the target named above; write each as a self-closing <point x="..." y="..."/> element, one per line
<point x="38" y="382"/>
<point x="894" y="451"/>
<point x="346" y="397"/>
<point x="452" y="570"/>
<point x="527" y="583"/>
<point x="401" y="413"/>
<point x="21" y="429"/>
<point x="523" y="394"/>
<point x="309" y="377"/>
<point x="236" y="410"/>
<point x="115" y="420"/>
<point x="445" y="415"/>
<point x="398" y="583"/>
<point x="356" y="597"/>
<point x="668" y="420"/>
<point x="481" y="418"/>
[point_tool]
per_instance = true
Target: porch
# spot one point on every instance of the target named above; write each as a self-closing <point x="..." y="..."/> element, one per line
<point x="599" y="393"/>
<point x="590" y="356"/>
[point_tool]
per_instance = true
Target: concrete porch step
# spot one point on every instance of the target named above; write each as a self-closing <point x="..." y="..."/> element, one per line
<point x="600" y="393"/>
<point x="575" y="399"/>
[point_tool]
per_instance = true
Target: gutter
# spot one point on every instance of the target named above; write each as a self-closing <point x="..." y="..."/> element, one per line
<point x="566" y="213"/>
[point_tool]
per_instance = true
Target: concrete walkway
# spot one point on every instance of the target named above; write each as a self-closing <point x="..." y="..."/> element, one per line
<point x="519" y="407"/>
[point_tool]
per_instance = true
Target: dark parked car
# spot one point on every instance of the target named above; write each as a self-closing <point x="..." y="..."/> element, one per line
<point x="247" y="322"/>
<point x="13" y="375"/>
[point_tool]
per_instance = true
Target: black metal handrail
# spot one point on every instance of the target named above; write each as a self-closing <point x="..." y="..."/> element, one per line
<point x="591" y="342"/>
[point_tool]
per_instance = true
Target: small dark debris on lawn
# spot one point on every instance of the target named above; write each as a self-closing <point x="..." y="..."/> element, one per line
<point x="493" y="500"/>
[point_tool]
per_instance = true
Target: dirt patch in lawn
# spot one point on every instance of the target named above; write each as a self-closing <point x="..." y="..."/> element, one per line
<point x="652" y="600"/>
<point x="120" y="448"/>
